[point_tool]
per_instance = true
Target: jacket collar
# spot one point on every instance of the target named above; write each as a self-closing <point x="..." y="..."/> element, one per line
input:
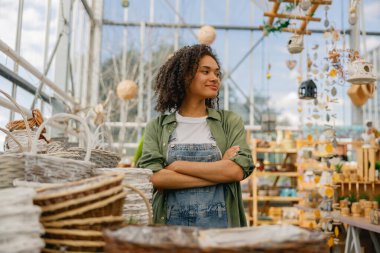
<point x="212" y="113"/>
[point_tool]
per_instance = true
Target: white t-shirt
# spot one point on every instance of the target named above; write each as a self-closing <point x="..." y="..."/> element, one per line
<point x="192" y="130"/>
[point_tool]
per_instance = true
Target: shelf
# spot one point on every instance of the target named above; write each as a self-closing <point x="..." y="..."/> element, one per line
<point x="277" y="173"/>
<point x="274" y="222"/>
<point x="247" y="198"/>
<point x="306" y="208"/>
<point x="275" y="150"/>
<point x="278" y="198"/>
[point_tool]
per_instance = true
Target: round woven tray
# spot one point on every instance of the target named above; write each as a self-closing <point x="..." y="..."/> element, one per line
<point x="98" y="223"/>
<point x="73" y="234"/>
<point x="75" y="245"/>
<point x="109" y="206"/>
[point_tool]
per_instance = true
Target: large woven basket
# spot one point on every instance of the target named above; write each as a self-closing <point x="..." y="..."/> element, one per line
<point x="176" y="239"/>
<point x="50" y="169"/>
<point x="11" y="164"/>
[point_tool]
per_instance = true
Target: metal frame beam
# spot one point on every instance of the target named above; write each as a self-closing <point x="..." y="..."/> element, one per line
<point x="220" y="27"/>
<point x="21" y="82"/>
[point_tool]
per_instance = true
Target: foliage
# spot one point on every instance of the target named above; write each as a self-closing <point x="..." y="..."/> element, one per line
<point x="338" y="167"/>
<point x="377" y="165"/>
<point x="377" y="198"/>
<point x="278" y="25"/>
<point x="351" y="198"/>
<point x="364" y="196"/>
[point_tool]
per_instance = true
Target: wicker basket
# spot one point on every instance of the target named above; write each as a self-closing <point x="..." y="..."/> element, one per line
<point x="170" y="239"/>
<point x="73" y="234"/>
<point x="98" y="224"/>
<point x="11" y="164"/>
<point x="73" y="245"/>
<point x="10" y="146"/>
<point x="50" y="169"/>
<point x="101" y="158"/>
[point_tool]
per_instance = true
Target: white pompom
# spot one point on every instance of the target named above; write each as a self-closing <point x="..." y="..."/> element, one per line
<point x="206" y="35"/>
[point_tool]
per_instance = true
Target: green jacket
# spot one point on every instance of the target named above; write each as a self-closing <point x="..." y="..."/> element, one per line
<point x="228" y="130"/>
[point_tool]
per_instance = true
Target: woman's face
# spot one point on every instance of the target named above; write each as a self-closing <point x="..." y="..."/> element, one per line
<point x="206" y="82"/>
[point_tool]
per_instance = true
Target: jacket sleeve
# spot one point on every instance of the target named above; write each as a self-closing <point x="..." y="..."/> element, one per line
<point x="237" y="136"/>
<point x="151" y="157"/>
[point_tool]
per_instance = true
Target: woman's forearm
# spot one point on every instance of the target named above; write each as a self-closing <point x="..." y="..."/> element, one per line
<point x="223" y="171"/>
<point x="168" y="179"/>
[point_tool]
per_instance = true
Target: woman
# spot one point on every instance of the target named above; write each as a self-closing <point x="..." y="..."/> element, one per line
<point x="195" y="184"/>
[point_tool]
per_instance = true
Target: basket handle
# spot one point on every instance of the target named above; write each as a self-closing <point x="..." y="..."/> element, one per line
<point x="146" y="201"/>
<point x="28" y="131"/>
<point x="13" y="138"/>
<point x="63" y="116"/>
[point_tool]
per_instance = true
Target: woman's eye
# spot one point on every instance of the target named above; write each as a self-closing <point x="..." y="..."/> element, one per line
<point x="205" y="72"/>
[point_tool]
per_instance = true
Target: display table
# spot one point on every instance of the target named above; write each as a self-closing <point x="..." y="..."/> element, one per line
<point x="355" y="224"/>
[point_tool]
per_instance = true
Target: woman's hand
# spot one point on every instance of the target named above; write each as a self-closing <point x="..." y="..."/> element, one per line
<point x="231" y="152"/>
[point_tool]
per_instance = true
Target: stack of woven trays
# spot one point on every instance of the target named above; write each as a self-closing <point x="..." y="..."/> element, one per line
<point x="20" y="228"/>
<point x="135" y="210"/>
<point x="74" y="214"/>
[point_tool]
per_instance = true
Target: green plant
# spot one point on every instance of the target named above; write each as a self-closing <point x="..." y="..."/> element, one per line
<point x="338" y="167"/>
<point x="351" y="198"/>
<point x="377" y="165"/>
<point x="377" y="198"/>
<point x="342" y="198"/>
<point x="364" y="196"/>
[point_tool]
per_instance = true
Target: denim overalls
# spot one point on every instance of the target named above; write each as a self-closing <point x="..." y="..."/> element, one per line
<point x="201" y="206"/>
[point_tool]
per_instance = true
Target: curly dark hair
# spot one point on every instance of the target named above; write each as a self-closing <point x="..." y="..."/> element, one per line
<point x="177" y="73"/>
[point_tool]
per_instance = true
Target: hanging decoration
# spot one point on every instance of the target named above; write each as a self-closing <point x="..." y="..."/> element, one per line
<point x="353" y="14"/>
<point x="307" y="90"/>
<point x="279" y="18"/>
<point x="268" y="75"/>
<point x="127" y="90"/>
<point x="206" y="35"/>
<point x="295" y="44"/>
<point x="305" y="4"/>
<point x="268" y="122"/>
<point x="291" y="64"/>
<point x="125" y="3"/>
<point x="361" y="72"/>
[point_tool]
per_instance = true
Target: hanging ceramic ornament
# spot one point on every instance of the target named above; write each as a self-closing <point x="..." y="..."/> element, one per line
<point x="309" y="124"/>
<point x="307" y="90"/>
<point x="321" y="76"/>
<point x="361" y="72"/>
<point x="316" y="116"/>
<point x="295" y="44"/>
<point x="315" y="56"/>
<point x="291" y="64"/>
<point x="206" y="35"/>
<point x="305" y="4"/>
<point x="315" y="71"/>
<point x="325" y="67"/>
<point x="327" y="22"/>
<point x="353" y="17"/>
<point x="333" y="91"/>
<point x="327" y="117"/>
<point x="309" y="62"/>
<point x="127" y="90"/>
<point x="315" y="47"/>
<point x="316" y="102"/>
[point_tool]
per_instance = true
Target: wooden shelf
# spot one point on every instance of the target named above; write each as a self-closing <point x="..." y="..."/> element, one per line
<point x="274" y="222"/>
<point x="275" y="150"/>
<point x="277" y="173"/>
<point x="247" y="198"/>
<point x="306" y="208"/>
<point x="278" y="198"/>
